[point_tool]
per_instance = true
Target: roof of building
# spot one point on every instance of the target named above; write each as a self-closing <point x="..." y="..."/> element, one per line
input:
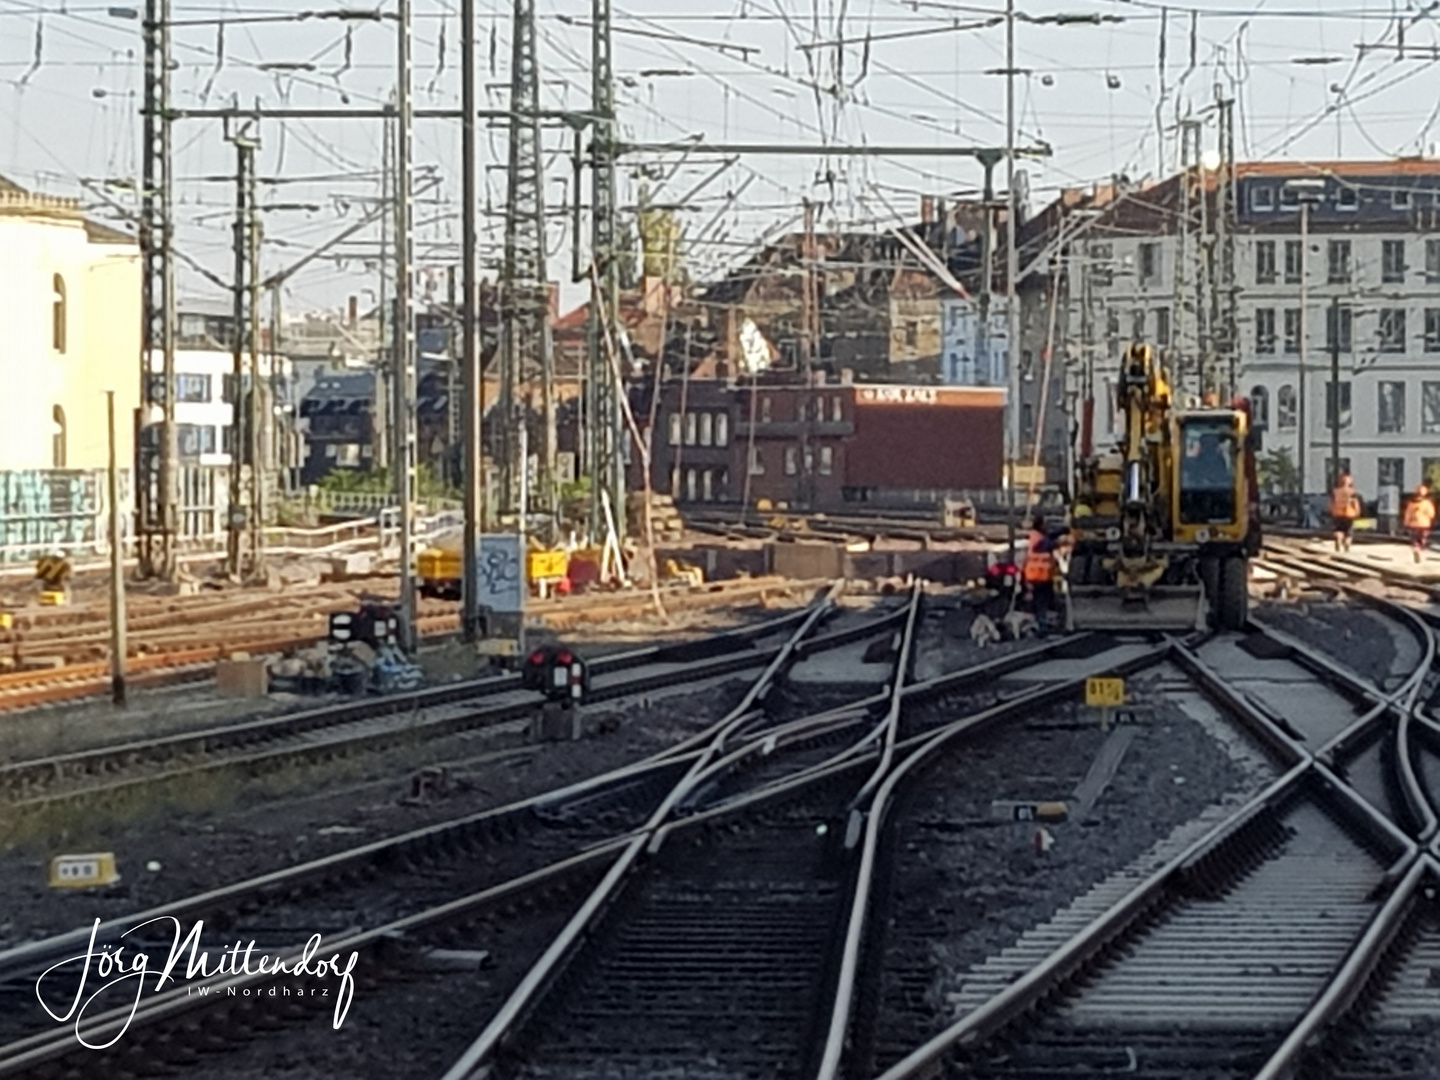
<point x="6" y="184"/>
<point x="104" y="234"/>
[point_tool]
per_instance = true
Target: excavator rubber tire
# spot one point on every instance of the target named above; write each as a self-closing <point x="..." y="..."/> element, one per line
<point x="1233" y="610"/>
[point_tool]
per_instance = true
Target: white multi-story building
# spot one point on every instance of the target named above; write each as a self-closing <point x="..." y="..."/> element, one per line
<point x="1369" y="264"/>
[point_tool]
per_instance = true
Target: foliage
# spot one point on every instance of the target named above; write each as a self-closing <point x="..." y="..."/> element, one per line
<point x="379" y="482"/>
<point x="1277" y="472"/>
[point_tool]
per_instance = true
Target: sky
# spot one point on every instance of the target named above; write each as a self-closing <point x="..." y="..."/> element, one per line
<point x="1104" y="87"/>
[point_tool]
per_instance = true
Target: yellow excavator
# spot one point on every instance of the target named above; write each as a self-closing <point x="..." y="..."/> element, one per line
<point x="1163" y="525"/>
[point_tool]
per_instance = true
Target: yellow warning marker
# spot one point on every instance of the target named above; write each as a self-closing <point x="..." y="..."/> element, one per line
<point x="1104" y="692"/>
<point x="7" y="621"/>
<point x="83" y="871"/>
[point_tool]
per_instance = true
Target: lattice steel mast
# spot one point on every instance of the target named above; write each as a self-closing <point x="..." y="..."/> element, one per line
<point x="525" y="292"/>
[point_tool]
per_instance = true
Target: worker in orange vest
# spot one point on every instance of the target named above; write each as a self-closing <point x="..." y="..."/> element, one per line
<point x="1038" y="571"/>
<point x="1344" y="509"/>
<point x="1419" y="518"/>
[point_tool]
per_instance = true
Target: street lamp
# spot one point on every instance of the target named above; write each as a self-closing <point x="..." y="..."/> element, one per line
<point x="1308" y="192"/>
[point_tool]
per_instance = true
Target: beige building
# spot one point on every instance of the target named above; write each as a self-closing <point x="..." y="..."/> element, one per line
<point x="70" y="309"/>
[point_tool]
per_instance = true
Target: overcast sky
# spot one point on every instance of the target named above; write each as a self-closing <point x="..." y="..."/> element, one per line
<point x="904" y="72"/>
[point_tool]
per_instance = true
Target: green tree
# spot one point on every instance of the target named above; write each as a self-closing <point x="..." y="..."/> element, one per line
<point x="1277" y="473"/>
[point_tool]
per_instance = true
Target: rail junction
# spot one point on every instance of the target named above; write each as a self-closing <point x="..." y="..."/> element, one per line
<point x="853" y="860"/>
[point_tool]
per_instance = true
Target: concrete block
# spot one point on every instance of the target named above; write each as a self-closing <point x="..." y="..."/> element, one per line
<point x="352" y="565"/>
<point x="242" y="678"/>
<point x="807" y="561"/>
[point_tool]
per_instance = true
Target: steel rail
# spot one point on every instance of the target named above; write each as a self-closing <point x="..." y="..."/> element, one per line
<point x="866" y="830"/>
<point x="23" y="958"/>
<point x="1304" y="769"/>
<point x="15" y="774"/>
<point x="1340" y="994"/>
<point x="477" y="1056"/>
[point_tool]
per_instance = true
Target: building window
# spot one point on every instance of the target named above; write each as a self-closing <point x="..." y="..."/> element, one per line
<point x="827" y="460"/>
<point x="1285" y="408"/>
<point x="1432" y="329"/>
<point x="837" y="410"/>
<point x="1150" y="264"/>
<point x="1392" y="408"/>
<point x="707" y="429"/>
<point x="1432" y="262"/>
<point x="1392" y="261"/>
<point x="1137" y="324"/>
<point x="1430" y="471"/>
<point x="58" y="438"/>
<point x="1337" y="261"/>
<point x="1259" y="408"/>
<point x="1391" y="472"/>
<point x="58" y="315"/>
<point x="1330" y="472"/>
<point x="227" y="439"/>
<point x="707" y="483"/>
<point x="792" y="460"/>
<point x="1292" y="330"/>
<point x="1262" y="198"/>
<point x="1339" y="327"/>
<point x="1102" y="257"/>
<point x="1265" y="330"/>
<point x="197" y="439"/>
<point x="757" y="462"/>
<point x="689" y="485"/>
<point x="1392" y="330"/>
<point x="1347" y="198"/>
<point x="912" y="334"/>
<point x="1400" y="199"/>
<point x="1294" y="260"/>
<point x="1289" y="198"/>
<point x="722" y="429"/>
<point x="1162" y="326"/>
<point x="765" y="409"/>
<point x="1344" y="386"/>
<point x="691" y="426"/>
<point x="192" y="388"/>
<point x="674" y="426"/>
<point x="1430" y="408"/>
<point x="1265" y="262"/>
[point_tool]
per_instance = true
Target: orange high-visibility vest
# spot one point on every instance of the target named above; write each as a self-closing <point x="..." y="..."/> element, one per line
<point x="1344" y="503"/>
<point x="1420" y="514"/>
<point x="1039" y="565"/>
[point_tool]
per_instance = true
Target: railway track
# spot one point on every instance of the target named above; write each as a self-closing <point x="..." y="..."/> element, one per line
<point x="719" y="908"/>
<point x="137" y="772"/>
<point x="179" y="641"/>
<point x="1246" y="942"/>
<point x="554" y="827"/>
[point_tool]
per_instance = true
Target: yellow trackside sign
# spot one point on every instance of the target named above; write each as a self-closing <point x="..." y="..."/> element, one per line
<point x="1104" y="692"/>
<point x="548" y="564"/>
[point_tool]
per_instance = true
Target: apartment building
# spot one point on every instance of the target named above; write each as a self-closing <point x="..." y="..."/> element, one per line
<point x="1334" y="261"/>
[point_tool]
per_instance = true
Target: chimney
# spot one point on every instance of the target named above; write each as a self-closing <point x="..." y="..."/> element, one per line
<point x="927" y="209"/>
<point x="847" y="376"/>
<point x="353" y="313"/>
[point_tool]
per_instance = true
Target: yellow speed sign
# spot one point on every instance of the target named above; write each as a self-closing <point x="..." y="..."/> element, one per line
<point x="1104" y="691"/>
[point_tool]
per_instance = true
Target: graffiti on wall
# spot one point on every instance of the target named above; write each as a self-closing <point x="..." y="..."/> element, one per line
<point x="49" y="511"/>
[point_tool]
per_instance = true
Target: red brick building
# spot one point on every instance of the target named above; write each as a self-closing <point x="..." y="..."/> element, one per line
<point x="825" y="446"/>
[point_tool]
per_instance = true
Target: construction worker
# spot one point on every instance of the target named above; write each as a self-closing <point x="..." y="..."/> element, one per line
<point x="1037" y="573"/>
<point x="1344" y="509"/>
<point x="1419" y="518"/>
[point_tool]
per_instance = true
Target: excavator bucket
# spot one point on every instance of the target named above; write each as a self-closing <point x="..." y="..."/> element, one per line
<point x="1160" y="607"/>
